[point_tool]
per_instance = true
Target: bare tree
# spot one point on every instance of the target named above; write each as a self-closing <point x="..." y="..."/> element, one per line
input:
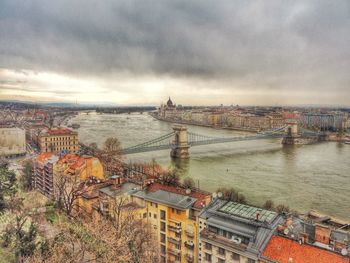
<point x="170" y="178"/>
<point x="111" y="156"/>
<point x="188" y="183"/>
<point x="67" y="190"/>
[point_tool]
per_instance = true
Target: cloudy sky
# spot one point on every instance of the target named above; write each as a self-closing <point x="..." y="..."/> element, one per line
<point x="198" y="52"/>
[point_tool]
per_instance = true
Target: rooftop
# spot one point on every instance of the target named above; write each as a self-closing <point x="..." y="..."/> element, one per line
<point x="44" y="157"/>
<point x="285" y="250"/>
<point x="202" y="197"/>
<point x="60" y="131"/>
<point x="112" y="190"/>
<point x="248" y="212"/>
<point x="174" y="200"/>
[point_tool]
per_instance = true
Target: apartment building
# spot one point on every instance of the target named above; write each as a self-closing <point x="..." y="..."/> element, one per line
<point x="12" y="141"/>
<point x="58" y="140"/>
<point x="234" y="233"/>
<point x="173" y="213"/>
<point x="297" y="240"/>
<point x="43" y="179"/>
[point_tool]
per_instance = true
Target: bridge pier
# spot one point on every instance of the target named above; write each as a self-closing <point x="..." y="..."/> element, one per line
<point x="180" y="144"/>
<point x="292" y="134"/>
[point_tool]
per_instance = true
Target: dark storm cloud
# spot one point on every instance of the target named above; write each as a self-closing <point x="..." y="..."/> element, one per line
<point x="267" y="44"/>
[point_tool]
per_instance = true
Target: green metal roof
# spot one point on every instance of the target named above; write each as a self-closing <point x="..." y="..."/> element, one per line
<point x="248" y="212"/>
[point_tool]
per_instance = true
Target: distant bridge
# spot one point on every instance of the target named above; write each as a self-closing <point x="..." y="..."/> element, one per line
<point x="180" y="140"/>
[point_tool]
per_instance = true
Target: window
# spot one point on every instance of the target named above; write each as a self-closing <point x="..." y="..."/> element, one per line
<point x="162" y="237"/>
<point x="178" y="212"/>
<point x="207" y="257"/>
<point x="250" y="260"/>
<point x="149" y="214"/>
<point x="221" y="251"/>
<point x="207" y="246"/>
<point x="162" y="249"/>
<point x="144" y="215"/>
<point x="162" y="214"/>
<point x="162" y="226"/>
<point x="235" y="256"/>
<point x="162" y="259"/>
<point x="178" y="235"/>
<point x="220" y="260"/>
<point x="155" y="216"/>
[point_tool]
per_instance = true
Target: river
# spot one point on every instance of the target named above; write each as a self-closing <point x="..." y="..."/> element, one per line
<point x="304" y="177"/>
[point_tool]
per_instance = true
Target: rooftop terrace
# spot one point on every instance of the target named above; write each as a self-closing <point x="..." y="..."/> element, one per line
<point x="248" y="212"/>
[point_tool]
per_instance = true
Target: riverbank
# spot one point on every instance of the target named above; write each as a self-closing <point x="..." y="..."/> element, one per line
<point x="202" y="125"/>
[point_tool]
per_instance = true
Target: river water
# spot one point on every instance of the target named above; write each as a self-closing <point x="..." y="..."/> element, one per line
<point x="304" y="177"/>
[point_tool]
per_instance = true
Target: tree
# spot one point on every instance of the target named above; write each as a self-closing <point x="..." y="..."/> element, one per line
<point x="27" y="175"/>
<point x="269" y="205"/>
<point x="19" y="237"/>
<point x="112" y="146"/>
<point x="111" y="156"/>
<point x="7" y="187"/>
<point x="282" y="209"/>
<point x="188" y="183"/>
<point x="170" y="178"/>
<point x="231" y="194"/>
<point x="67" y="191"/>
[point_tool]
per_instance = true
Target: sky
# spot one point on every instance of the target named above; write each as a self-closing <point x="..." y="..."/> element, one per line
<point x="199" y="52"/>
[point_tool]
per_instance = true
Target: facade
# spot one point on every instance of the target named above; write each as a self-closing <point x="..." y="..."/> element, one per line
<point x="12" y="141"/>
<point x="173" y="213"/>
<point x="58" y="140"/>
<point x="43" y="179"/>
<point x="48" y="166"/>
<point x="84" y="167"/>
<point x="234" y="233"/>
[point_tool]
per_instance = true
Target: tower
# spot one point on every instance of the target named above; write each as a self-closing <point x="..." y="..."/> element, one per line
<point x="180" y="144"/>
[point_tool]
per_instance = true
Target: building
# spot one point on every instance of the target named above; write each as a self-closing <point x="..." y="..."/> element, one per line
<point x="12" y="142"/>
<point x="115" y="196"/>
<point x="48" y="167"/>
<point x="43" y="179"/>
<point x="58" y="140"/>
<point x="300" y="241"/>
<point x="173" y="213"/>
<point x="232" y="232"/>
<point x="83" y="167"/>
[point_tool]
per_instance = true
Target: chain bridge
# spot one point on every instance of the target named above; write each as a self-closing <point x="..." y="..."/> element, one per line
<point x="180" y="140"/>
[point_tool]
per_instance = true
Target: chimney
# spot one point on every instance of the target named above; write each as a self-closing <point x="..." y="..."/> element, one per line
<point x="322" y="234"/>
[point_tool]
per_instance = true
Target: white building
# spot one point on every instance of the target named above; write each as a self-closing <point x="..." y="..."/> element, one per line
<point x="12" y="142"/>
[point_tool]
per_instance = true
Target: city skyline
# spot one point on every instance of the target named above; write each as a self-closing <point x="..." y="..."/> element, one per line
<point x="199" y="53"/>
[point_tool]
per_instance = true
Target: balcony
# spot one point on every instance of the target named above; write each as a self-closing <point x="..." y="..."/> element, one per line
<point x="176" y="229"/>
<point x="205" y="234"/>
<point x="189" y="233"/>
<point x="174" y="240"/>
<point x="189" y="257"/>
<point x="174" y="251"/>
<point x="189" y="245"/>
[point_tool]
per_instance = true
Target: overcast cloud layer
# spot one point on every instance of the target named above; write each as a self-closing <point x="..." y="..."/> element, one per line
<point x="198" y="51"/>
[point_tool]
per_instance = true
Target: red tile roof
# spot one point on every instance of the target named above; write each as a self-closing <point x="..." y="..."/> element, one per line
<point x="203" y="198"/>
<point x="60" y="131"/>
<point x="44" y="156"/>
<point x="282" y="250"/>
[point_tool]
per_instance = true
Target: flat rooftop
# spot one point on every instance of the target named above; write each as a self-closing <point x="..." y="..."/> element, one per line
<point x="174" y="200"/>
<point x="248" y="212"/>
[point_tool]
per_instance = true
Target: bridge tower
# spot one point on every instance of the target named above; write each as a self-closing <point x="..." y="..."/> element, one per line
<point x="292" y="133"/>
<point x="180" y="143"/>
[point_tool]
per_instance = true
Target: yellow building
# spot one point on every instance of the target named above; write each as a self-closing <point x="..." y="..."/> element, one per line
<point x="58" y="140"/>
<point x="173" y="212"/>
<point x="77" y="169"/>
